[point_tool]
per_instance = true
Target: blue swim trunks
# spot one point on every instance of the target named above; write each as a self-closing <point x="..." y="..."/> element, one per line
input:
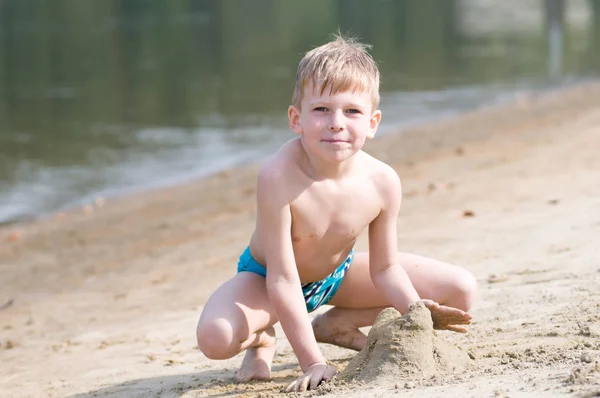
<point x="316" y="293"/>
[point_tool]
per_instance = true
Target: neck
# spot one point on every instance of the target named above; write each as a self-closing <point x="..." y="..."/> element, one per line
<point x="318" y="169"/>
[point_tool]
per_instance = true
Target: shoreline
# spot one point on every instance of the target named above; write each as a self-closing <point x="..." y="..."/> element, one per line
<point x="105" y="299"/>
<point x="436" y="123"/>
<point x="502" y="97"/>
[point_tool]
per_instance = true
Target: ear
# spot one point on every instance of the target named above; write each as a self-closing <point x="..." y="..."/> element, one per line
<point x="374" y="123"/>
<point x="294" y="119"/>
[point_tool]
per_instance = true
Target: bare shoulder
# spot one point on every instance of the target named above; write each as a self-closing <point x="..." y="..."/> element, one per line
<point x="385" y="179"/>
<point x="276" y="172"/>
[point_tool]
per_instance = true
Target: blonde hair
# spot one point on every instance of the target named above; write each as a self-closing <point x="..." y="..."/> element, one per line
<point x="342" y="64"/>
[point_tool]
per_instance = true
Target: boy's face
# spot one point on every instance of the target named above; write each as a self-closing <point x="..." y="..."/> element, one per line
<point x="334" y="127"/>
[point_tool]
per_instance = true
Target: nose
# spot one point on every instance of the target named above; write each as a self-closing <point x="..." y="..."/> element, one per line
<point x="336" y="122"/>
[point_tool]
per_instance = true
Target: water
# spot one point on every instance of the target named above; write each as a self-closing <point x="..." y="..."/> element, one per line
<point x="115" y="96"/>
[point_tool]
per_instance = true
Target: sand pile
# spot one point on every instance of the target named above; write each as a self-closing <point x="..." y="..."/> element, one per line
<point x="402" y="348"/>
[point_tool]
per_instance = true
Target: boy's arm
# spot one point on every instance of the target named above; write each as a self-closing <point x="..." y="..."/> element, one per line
<point x="283" y="283"/>
<point x="386" y="273"/>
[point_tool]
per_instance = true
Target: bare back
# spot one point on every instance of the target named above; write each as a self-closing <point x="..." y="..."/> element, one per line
<point x="327" y="215"/>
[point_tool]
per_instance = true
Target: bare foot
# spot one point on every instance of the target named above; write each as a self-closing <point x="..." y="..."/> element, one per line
<point x="258" y="359"/>
<point x="338" y="331"/>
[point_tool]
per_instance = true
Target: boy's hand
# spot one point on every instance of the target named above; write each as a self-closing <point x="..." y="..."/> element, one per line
<point x="314" y="375"/>
<point x="447" y="318"/>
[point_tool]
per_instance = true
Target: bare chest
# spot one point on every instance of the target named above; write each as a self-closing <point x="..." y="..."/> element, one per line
<point x="330" y="221"/>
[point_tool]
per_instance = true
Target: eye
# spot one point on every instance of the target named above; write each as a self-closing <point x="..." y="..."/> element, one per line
<point x="353" y="111"/>
<point x="321" y="109"/>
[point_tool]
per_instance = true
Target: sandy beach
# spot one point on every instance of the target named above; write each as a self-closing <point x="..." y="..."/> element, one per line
<point x="104" y="300"/>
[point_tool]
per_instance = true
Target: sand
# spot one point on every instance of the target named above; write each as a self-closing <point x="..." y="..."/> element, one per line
<point x="104" y="300"/>
<point x="402" y="350"/>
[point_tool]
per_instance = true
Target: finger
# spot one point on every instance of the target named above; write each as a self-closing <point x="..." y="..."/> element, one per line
<point x="453" y="311"/>
<point x="443" y="321"/>
<point x="314" y="382"/>
<point x="290" y="386"/>
<point x="458" y="321"/>
<point x="448" y="313"/>
<point x="430" y="304"/>
<point x="448" y="308"/>
<point x="457" y="329"/>
<point x="329" y="373"/>
<point x="304" y="384"/>
<point x="295" y="385"/>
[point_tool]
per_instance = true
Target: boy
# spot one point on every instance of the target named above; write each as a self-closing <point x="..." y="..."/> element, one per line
<point x="314" y="197"/>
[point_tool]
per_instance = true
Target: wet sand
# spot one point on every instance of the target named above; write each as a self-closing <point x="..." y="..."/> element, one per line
<point x="103" y="301"/>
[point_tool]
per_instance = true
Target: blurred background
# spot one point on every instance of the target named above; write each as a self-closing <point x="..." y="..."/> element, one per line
<point x="101" y="98"/>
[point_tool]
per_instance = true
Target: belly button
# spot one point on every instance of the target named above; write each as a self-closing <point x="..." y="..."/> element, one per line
<point x="295" y="239"/>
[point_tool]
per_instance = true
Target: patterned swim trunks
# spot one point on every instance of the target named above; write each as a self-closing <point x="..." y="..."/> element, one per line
<point x="316" y="293"/>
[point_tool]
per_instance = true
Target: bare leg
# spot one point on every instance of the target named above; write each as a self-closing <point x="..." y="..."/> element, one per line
<point x="340" y="326"/>
<point x="237" y="317"/>
<point x="258" y="358"/>
<point x="357" y="302"/>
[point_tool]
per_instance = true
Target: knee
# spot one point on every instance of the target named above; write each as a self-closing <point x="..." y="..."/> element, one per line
<point x="216" y="339"/>
<point x="464" y="291"/>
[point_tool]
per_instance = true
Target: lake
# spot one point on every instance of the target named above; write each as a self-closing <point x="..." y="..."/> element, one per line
<point x="103" y="98"/>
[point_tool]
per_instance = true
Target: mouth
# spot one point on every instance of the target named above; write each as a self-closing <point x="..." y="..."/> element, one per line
<point x="335" y="141"/>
